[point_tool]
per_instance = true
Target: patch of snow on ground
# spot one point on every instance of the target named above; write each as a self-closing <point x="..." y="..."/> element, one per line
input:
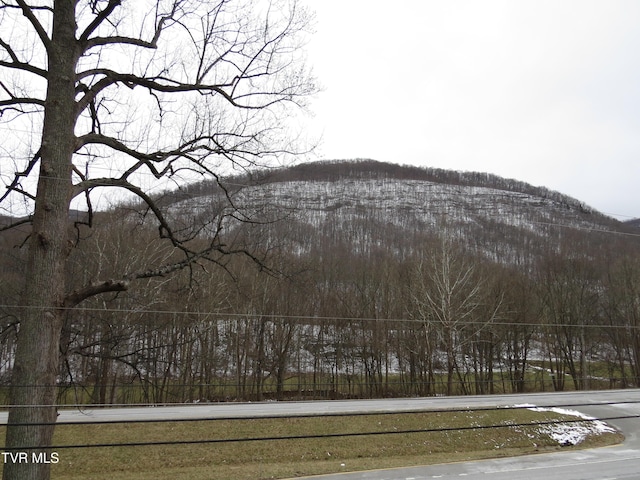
<point x="570" y="433"/>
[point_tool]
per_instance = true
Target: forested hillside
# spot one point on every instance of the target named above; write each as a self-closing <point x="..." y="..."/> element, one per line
<point x="351" y="279"/>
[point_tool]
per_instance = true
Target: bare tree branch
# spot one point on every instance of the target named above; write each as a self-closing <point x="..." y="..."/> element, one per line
<point x="21" y="101"/>
<point x="25" y="173"/>
<point x="27" y="11"/>
<point x="77" y="296"/>
<point x="17" y="64"/>
<point x="101" y="17"/>
<point x="89" y="43"/>
<point x="165" y="228"/>
<point x="168" y="85"/>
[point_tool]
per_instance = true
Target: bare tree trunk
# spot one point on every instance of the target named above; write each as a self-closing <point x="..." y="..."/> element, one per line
<point x="33" y="389"/>
<point x="46" y="49"/>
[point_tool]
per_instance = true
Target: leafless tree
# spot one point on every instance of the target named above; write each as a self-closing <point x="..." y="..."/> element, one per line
<point x="569" y="291"/>
<point x="622" y="314"/>
<point x="128" y="96"/>
<point x="448" y="294"/>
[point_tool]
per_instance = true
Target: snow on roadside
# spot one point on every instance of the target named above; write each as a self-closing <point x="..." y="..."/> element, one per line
<point x="570" y="433"/>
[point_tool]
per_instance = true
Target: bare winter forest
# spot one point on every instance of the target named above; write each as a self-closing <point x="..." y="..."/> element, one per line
<point x="364" y="280"/>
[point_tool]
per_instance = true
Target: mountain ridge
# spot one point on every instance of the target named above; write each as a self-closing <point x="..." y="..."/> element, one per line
<point x="367" y="205"/>
<point x="364" y="168"/>
<point x="368" y="168"/>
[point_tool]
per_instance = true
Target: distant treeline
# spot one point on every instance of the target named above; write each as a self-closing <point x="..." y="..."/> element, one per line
<point x="337" y="305"/>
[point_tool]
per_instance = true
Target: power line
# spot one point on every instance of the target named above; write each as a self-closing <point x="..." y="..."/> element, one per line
<point x="222" y="316"/>
<point x="326" y="435"/>
<point x="226" y="316"/>
<point x="588" y="229"/>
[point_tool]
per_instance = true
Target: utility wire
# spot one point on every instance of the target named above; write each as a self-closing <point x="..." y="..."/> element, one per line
<point x="323" y="436"/>
<point x="222" y="316"/>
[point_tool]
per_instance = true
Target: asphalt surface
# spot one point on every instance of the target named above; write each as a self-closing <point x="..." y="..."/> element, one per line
<point x="587" y="402"/>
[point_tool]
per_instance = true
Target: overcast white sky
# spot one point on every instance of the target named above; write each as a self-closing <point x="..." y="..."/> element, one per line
<point x="544" y="91"/>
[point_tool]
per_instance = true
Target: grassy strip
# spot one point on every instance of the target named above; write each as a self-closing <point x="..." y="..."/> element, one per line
<point x="298" y="457"/>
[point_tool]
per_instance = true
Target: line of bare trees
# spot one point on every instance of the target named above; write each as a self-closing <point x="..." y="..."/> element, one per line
<point x="424" y="317"/>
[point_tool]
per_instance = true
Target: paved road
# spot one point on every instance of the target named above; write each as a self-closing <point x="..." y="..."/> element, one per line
<point x="619" y="462"/>
<point x="575" y="400"/>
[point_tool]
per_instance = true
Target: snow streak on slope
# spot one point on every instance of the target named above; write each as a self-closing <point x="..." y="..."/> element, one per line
<point x="424" y="202"/>
<point x="498" y="223"/>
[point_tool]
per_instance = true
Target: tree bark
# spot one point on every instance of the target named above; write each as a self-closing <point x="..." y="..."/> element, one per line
<point x="33" y="391"/>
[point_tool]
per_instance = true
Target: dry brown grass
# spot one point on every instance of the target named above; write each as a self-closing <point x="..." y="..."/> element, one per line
<point x="298" y="457"/>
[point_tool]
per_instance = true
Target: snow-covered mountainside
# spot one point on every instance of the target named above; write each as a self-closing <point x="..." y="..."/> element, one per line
<point x="369" y="205"/>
